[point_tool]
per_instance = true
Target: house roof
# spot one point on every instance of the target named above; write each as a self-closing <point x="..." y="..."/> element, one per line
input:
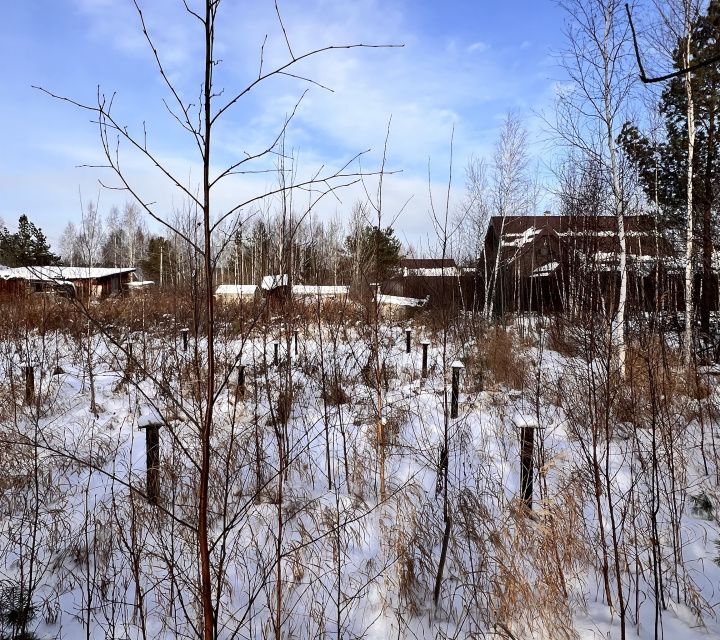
<point x="320" y="290"/>
<point x="583" y="233"/>
<point x="236" y="290"/>
<point x="271" y="282"/>
<point x="54" y="274"/>
<point x="574" y="224"/>
<point x="427" y="263"/>
<point x="401" y="301"/>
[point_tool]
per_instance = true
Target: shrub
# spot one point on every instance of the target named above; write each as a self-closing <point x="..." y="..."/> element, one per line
<point x="500" y="360"/>
<point x="16" y="612"/>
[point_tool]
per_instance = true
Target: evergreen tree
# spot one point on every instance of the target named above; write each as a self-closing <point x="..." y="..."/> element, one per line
<point x="376" y="250"/>
<point x="662" y="166"/>
<point x="159" y="261"/>
<point x="27" y="247"/>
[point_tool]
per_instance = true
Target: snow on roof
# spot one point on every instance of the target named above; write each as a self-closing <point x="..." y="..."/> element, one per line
<point x="401" y="301"/>
<point x="545" y="269"/>
<point x="62" y="273"/>
<point x="525" y="420"/>
<point x="520" y="239"/>
<point x="273" y="282"/>
<point x="427" y="263"/>
<point x="611" y="257"/>
<point x="236" y="290"/>
<point x="596" y="234"/>
<point x="320" y="290"/>
<point x="590" y="225"/>
<point x="140" y="283"/>
<point x="435" y="272"/>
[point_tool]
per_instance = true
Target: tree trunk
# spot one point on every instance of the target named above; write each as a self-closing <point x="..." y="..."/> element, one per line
<point x="707" y="281"/>
<point x="689" y="275"/>
<point x="203" y="543"/>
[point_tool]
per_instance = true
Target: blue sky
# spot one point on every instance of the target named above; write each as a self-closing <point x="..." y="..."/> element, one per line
<point x="464" y="64"/>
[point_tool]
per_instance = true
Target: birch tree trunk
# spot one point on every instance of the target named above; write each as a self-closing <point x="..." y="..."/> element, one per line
<point x="618" y="330"/>
<point x="690" y="116"/>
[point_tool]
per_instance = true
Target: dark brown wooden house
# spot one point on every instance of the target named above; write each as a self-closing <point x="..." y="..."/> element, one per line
<point x="438" y="280"/>
<point x="550" y="263"/>
<point x="81" y="282"/>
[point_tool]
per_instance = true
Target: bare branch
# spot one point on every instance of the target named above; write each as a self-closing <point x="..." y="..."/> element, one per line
<point x="287" y="41"/>
<point x="668" y="76"/>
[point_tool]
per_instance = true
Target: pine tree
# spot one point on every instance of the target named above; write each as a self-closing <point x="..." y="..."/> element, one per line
<point x="27" y="247"/>
<point x="662" y="166"/>
<point x="377" y="249"/>
<point x="159" y="260"/>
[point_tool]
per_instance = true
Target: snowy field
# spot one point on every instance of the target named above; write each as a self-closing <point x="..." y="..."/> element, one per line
<point x="343" y="500"/>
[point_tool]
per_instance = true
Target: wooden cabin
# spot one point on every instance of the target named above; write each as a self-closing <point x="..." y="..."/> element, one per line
<point x="88" y="283"/>
<point x="550" y="263"/>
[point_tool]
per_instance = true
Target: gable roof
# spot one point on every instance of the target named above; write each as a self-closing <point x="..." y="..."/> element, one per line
<point x="427" y="263"/>
<point x="572" y="224"/>
<point x="583" y="233"/>
<point x="268" y="283"/>
<point x="54" y="274"/>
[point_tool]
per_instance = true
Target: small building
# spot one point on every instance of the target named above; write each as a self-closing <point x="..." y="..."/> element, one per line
<point x="429" y="267"/>
<point x="79" y="282"/>
<point x="276" y="289"/>
<point x="551" y="263"/>
<point x="436" y="280"/>
<point x="318" y="292"/>
<point x="273" y="282"/>
<point x="236" y="292"/>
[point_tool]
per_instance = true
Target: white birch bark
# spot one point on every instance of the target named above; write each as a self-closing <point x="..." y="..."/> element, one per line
<point x="618" y="323"/>
<point x="690" y="115"/>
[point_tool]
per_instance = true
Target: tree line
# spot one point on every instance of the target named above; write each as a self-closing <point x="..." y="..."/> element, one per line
<point x="319" y="252"/>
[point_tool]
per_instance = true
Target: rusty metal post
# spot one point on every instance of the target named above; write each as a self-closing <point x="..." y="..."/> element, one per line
<point x="457" y="366"/>
<point x="29" y="384"/>
<point x="276" y="353"/>
<point x="296" y="342"/>
<point x="152" y="460"/>
<point x="528" y="426"/>
<point x="425" y="344"/>
<point x="184" y="333"/>
<point x="408" y="333"/>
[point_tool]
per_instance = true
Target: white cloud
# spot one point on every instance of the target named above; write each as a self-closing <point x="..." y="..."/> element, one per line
<point x="478" y="47"/>
<point x="426" y="88"/>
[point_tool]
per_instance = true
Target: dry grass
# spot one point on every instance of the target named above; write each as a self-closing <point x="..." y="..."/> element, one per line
<point x="498" y="361"/>
<point x="565" y="338"/>
<point x="538" y="558"/>
<point x="334" y="393"/>
<point x="656" y="382"/>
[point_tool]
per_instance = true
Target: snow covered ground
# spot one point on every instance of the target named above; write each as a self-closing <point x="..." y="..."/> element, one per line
<point x="328" y="502"/>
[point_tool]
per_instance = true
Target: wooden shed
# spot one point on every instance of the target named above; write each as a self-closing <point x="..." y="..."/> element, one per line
<point x="82" y="282"/>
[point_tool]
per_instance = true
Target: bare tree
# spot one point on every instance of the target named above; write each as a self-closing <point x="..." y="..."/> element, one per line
<point x="201" y="121"/>
<point x="592" y="111"/>
<point x="677" y="22"/>
<point x="91" y="235"/>
<point x="473" y="217"/>
<point x="68" y="245"/>
<point x="509" y="193"/>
